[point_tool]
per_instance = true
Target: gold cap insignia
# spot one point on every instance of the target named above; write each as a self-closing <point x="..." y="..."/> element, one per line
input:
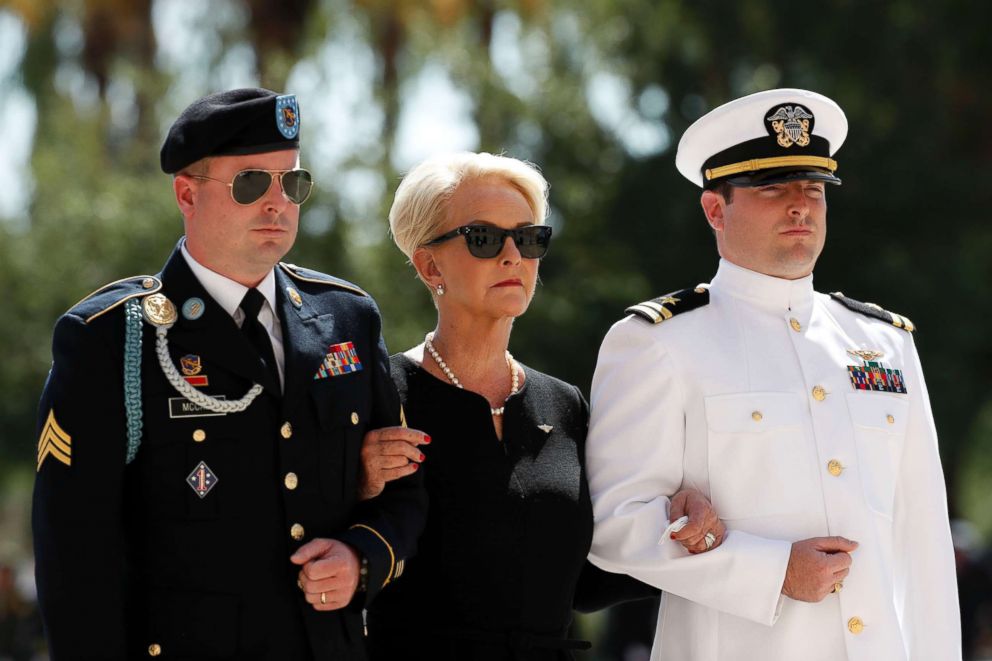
<point x="790" y="125"/>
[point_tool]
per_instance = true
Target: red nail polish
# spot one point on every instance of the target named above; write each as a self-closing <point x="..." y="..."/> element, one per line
<point x="416" y="466"/>
<point x="673" y="535"/>
<point x="422" y="456"/>
<point x="427" y="439"/>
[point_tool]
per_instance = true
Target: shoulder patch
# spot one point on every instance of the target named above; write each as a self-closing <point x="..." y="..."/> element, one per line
<point x="665" y="307"/>
<point x="308" y="275"/>
<point x="109" y="296"/>
<point x="874" y="311"/>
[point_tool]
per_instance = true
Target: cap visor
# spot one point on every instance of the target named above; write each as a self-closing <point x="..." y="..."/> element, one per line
<point x="783" y="175"/>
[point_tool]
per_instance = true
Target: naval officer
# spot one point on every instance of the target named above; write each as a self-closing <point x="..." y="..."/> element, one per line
<point x="803" y="416"/>
<point x="197" y="493"/>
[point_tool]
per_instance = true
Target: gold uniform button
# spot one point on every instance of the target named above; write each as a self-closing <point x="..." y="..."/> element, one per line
<point x="855" y="625"/>
<point x="148" y="283"/>
<point x="891" y="419"/>
<point x="296" y="532"/>
<point x="199" y="435"/>
<point x="796" y="326"/>
<point x="819" y="393"/>
<point x="756" y="416"/>
<point x="835" y="468"/>
<point x="354" y="418"/>
<point x="286" y="431"/>
<point x="154" y="649"/>
<point x="291" y="481"/>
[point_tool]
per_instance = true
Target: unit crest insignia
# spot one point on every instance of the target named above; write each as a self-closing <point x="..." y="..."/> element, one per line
<point x="791" y="125"/>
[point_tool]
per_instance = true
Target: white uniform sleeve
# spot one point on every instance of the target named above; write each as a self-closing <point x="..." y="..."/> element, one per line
<point x="634" y="456"/>
<point x="926" y="586"/>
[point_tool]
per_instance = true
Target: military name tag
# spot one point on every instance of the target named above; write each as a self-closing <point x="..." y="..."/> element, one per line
<point x="180" y="407"/>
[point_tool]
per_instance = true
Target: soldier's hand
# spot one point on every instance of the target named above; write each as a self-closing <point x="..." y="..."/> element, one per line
<point x="329" y="574"/>
<point x="389" y="454"/>
<point x="816" y="566"/>
<point x="702" y="519"/>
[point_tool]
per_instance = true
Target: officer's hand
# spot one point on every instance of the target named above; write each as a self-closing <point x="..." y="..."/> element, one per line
<point x="329" y="575"/>
<point x="702" y="519"/>
<point x="389" y="454"/>
<point x="816" y="566"/>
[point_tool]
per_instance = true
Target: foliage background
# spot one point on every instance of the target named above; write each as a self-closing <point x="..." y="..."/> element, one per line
<point x="596" y="92"/>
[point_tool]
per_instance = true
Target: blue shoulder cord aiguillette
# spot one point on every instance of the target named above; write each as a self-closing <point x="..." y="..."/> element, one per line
<point x="132" y="376"/>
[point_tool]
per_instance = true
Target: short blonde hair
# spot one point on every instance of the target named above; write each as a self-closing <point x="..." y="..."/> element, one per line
<point x="422" y="197"/>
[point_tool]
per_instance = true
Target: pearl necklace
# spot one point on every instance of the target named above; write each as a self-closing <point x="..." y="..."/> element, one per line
<point x="514" y="375"/>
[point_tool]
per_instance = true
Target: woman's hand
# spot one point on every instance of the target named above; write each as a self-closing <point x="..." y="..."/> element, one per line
<point x="389" y="454"/>
<point x="702" y="521"/>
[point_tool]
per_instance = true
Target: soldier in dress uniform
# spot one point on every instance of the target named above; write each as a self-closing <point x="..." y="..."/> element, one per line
<point x="197" y="493"/>
<point x="803" y="416"/>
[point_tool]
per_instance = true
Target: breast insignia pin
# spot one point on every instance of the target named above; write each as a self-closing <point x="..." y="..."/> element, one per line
<point x="193" y="309"/>
<point x="192" y="365"/>
<point x="202" y="479"/>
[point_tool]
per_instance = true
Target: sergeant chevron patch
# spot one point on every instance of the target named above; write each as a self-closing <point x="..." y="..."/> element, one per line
<point x="55" y="442"/>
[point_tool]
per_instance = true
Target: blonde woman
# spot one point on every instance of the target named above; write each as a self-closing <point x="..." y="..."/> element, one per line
<point x="503" y="558"/>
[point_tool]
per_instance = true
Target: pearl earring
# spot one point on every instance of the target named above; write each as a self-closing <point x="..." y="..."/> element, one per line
<point x="439" y="289"/>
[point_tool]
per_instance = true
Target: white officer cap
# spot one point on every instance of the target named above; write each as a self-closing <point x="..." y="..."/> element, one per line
<point x="769" y="137"/>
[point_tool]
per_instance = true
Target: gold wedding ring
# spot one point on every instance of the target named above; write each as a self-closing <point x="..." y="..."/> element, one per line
<point x="837" y="587"/>
<point x="323" y="597"/>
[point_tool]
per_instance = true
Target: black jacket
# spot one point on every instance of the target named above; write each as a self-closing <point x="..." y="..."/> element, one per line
<point x="131" y="560"/>
<point x="502" y="561"/>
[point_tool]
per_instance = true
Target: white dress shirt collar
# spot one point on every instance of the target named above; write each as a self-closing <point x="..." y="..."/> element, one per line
<point x="227" y="292"/>
<point x="765" y="290"/>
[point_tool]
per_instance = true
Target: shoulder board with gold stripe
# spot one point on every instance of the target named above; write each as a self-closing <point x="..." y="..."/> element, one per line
<point x="308" y="275"/>
<point x="109" y="296"/>
<point x="874" y="311"/>
<point x="665" y="307"/>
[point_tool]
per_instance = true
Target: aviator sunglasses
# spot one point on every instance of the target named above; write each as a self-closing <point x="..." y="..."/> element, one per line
<point x="248" y="186"/>
<point x="486" y="241"/>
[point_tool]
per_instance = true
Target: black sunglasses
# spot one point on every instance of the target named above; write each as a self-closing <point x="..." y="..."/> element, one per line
<point x="486" y="241"/>
<point x="248" y="186"/>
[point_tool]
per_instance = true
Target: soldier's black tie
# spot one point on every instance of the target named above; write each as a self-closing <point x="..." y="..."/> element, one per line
<point x="253" y="329"/>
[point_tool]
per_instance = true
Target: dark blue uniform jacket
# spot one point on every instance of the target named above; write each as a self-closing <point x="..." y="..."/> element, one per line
<point x="131" y="561"/>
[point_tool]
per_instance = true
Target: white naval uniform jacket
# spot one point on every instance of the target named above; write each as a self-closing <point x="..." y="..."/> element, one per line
<point x="720" y="398"/>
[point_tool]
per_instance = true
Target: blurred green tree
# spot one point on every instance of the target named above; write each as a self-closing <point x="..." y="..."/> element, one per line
<point x="597" y="94"/>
